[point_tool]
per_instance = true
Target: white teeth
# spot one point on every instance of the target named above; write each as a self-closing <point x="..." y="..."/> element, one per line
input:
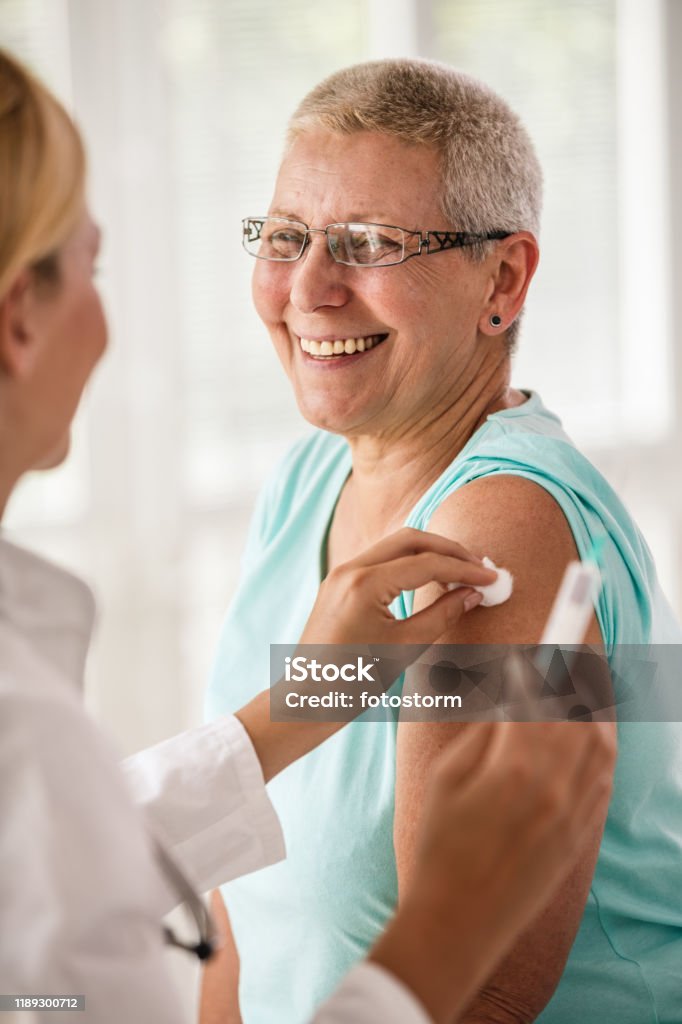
<point x="349" y="346"/>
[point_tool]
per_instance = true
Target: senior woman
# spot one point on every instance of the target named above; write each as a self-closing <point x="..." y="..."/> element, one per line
<point x="392" y="268"/>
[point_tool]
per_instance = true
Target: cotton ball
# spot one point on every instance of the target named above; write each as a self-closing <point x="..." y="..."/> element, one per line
<point x="499" y="591"/>
<point x="494" y="593"/>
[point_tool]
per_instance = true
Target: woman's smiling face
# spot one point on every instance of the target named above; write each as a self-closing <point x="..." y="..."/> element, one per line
<point x="426" y="311"/>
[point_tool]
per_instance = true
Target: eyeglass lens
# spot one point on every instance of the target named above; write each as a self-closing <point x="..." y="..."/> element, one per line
<point x="274" y="238"/>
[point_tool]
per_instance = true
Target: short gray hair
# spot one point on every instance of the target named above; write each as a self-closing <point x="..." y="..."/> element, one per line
<point x="492" y="179"/>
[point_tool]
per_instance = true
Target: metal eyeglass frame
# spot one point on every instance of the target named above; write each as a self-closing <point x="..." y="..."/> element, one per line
<point x="444" y="240"/>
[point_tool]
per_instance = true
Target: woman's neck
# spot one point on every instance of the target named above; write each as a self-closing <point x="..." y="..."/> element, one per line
<point x="10" y="470"/>
<point x="391" y="473"/>
<point x="5" y="491"/>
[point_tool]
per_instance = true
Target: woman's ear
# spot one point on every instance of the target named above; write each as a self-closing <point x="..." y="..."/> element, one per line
<point x="516" y="260"/>
<point x="19" y="336"/>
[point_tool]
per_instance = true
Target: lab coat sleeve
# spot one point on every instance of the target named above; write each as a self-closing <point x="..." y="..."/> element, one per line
<point x="368" y="995"/>
<point x="204" y="795"/>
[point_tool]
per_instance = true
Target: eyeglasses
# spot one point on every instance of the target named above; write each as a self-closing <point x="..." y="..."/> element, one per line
<point x="353" y="245"/>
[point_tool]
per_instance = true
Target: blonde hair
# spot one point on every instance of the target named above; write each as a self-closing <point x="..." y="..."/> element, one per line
<point x="42" y="174"/>
<point x="491" y="177"/>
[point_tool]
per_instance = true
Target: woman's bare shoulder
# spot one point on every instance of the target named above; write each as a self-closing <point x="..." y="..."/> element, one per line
<point x="518" y="524"/>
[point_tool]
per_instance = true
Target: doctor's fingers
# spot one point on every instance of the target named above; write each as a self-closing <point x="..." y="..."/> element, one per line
<point x="525" y="780"/>
<point x="587" y="751"/>
<point x="409" y="541"/>
<point x="571" y="753"/>
<point x="569" y="812"/>
<point x="426" y="626"/>
<point x="556" y="777"/>
<point x="411" y="572"/>
<point x="516" y="761"/>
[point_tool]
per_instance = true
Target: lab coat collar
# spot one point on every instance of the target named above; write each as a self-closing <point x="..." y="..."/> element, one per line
<point x="52" y="610"/>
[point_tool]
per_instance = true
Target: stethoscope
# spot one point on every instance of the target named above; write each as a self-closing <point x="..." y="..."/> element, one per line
<point x="208" y="937"/>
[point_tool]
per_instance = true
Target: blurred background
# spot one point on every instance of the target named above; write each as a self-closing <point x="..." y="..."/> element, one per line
<point x="183" y="105"/>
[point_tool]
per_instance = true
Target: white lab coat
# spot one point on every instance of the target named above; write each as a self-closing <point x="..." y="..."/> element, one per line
<point x="81" y="895"/>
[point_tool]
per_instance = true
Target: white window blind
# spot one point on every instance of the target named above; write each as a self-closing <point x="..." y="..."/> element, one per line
<point x="570" y="68"/>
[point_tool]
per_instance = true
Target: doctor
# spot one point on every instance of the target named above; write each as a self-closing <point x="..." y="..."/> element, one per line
<point x="85" y="877"/>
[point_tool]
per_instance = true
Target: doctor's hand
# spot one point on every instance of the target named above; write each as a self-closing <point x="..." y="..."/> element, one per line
<point x="352" y="605"/>
<point x="504" y="819"/>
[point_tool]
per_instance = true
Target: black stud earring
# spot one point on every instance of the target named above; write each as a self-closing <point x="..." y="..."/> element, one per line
<point x="495" y="320"/>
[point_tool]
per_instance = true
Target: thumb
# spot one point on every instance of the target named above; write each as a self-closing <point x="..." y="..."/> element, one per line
<point x="426" y="626"/>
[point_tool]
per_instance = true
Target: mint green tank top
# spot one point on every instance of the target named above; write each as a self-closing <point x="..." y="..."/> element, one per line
<point x="302" y="924"/>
